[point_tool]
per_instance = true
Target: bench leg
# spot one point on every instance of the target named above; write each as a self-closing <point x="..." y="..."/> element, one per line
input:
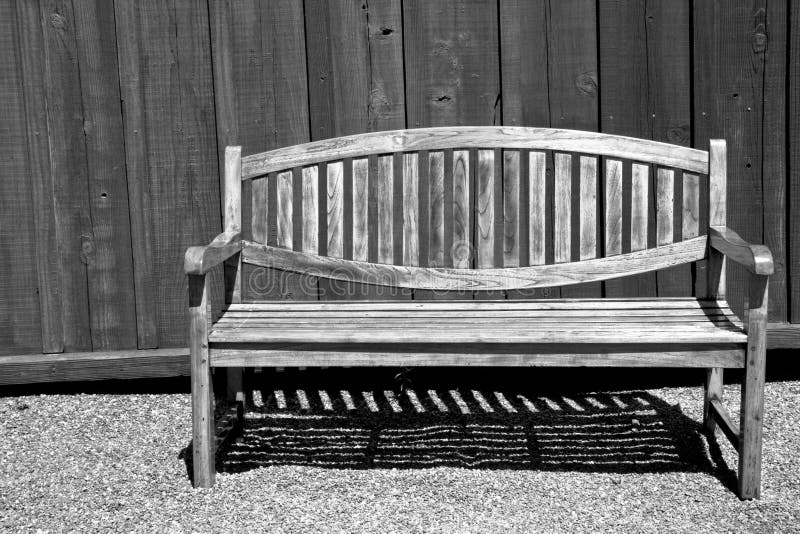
<point x="753" y="391"/>
<point x="713" y="390"/>
<point x="203" y="443"/>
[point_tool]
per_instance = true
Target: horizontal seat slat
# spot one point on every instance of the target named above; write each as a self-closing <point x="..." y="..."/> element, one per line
<point x="538" y="321"/>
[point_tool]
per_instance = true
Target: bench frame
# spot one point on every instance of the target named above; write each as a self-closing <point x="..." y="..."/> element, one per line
<point x="723" y="244"/>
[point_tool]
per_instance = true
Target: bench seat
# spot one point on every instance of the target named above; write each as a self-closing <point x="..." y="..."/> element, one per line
<point x="625" y="332"/>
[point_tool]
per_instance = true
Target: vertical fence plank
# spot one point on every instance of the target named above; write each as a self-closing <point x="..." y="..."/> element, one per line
<point x="20" y="329"/>
<point x="68" y="162"/>
<point x="774" y="152"/>
<point x="793" y="114"/>
<point x="31" y="50"/>
<point x="110" y="263"/>
<point x="669" y="97"/>
<point x="729" y="48"/>
<point x="572" y="75"/>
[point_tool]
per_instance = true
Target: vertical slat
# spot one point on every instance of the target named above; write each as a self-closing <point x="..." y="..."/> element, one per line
<point x="385" y="209"/>
<point x="793" y="198"/>
<point x="436" y="250"/>
<point x="258" y="209"/>
<point x="562" y="210"/>
<point x="462" y="211"/>
<point x="639" y="203"/>
<point x="588" y="207"/>
<point x="360" y="209"/>
<point x="485" y="204"/>
<point x="511" y="209"/>
<point x="690" y="221"/>
<point x="335" y="209"/>
<point x="613" y="207"/>
<point x="537" y="206"/>
<point x="285" y="210"/>
<point x="232" y="220"/>
<point x="665" y="200"/>
<point x="411" y="209"/>
<point x="717" y="213"/>
<point x="311" y="210"/>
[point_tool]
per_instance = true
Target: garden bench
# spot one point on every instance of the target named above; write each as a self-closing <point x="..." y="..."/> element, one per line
<point x="491" y="211"/>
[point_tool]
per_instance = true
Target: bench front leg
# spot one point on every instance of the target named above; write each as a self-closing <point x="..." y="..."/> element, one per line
<point x="203" y="443"/>
<point x="752" y="409"/>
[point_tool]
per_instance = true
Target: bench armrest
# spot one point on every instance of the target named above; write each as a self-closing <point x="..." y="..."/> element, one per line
<point x="755" y="258"/>
<point x="199" y="260"/>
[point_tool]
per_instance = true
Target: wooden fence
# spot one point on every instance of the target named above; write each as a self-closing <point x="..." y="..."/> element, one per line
<point x="115" y="115"/>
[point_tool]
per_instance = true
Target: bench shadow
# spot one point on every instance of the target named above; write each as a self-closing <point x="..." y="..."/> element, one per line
<point x="487" y="428"/>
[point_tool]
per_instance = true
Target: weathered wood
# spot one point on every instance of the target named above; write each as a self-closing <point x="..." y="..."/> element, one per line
<point x="436" y="199"/>
<point x="537" y="206"/>
<point x="202" y="388"/>
<point x="67" y="153"/>
<point x="665" y="200"/>
<point x="442" y="138"/>
<point x="755" y="258"/>
<point x="199" y="260"/>
<point x="232" y="220"/>
<point x="752" y="404"/>
<point x="481" y="355"/>
<point x="310" y="231"/>
<point x="335" y="217"/>
<point x="360" y="205"/>
<point x="462" y="211"/>
<point x="712" y="391"/>
<point x="20" y="324"/>
<point x="690" y="218"/>
<point x="613" y="207"/>
<point x="478" y="279"/>
<point x="511" y="209"/>
<point x="723" y="419"/>
<point x="588" y="208"/>
<point x="485" y="214"/>
<point x="793" y="200"/>
<point x="385" y="210"/>
<point x="639" y="203"/>
<point x="410" y="209"/>
<point x="285" y="208"/>
<point x="562" y="210"/>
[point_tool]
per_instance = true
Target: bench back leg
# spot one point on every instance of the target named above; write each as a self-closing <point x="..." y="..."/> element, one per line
<point x="713" y="390"/>
<point x="203" y="443"/>
<point x="753" y="391"/>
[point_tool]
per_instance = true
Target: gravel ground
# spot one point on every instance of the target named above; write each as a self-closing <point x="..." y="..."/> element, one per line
<point x="112" y="460"/>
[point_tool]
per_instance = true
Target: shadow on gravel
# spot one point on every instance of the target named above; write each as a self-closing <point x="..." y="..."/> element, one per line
<point x="351" y="419"/>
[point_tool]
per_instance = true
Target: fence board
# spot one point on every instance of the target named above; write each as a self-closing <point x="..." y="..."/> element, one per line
<point x="20" y="329"/>
<point x="793" y="113"/>
<point x="31" y="51"/>
<point x="110" y="263"/>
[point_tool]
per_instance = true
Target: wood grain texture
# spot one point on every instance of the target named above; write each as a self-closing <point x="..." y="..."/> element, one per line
<point x="775" y="147"/>
<point x="665" y="200"/>
<point x="690" y="218"/>
<point x="712" y="391"/>
<point x="285" y="205"/>
<point x="335" y="207"/>
<point x="32" y="72"/>
<point x="410" y="209"/>
<point x="481" y="355"/>
<point x="639" y="203"/>
<point x="613" y="207"/>
<point x="67" y="160"/>
<point x="360" y="205"/>
<point x="731" y="42"/>
<point x="588" y="208"/>
<point x="793" y="118"/>
<point x="562" y="211"/>
<point x="441" y="138"/>
<point x="755" y="258"/>
<point x="476" y="279"/>
<point x="133" y="90"/>
<point x="199" y="260"/>
<point x="203" y="446"/>
<point x="752" y="403"/>
<point x="511" y="208"/>
<point x="436" y="198"/>
<point x="20" y="327"/>
<point x="385" y="210"/>
<point x="462" y="211"/>
<point x="485" y="189"/>
<point x="537" y="206"/>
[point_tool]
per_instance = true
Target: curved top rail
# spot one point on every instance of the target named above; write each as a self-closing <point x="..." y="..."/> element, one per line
<point x="512" y="137"/>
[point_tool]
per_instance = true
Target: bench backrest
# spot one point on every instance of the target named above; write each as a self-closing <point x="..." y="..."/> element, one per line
<point x="477" y="208"/>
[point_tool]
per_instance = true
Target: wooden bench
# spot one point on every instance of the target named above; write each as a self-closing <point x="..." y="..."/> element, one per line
<point x="447" y="212"/>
